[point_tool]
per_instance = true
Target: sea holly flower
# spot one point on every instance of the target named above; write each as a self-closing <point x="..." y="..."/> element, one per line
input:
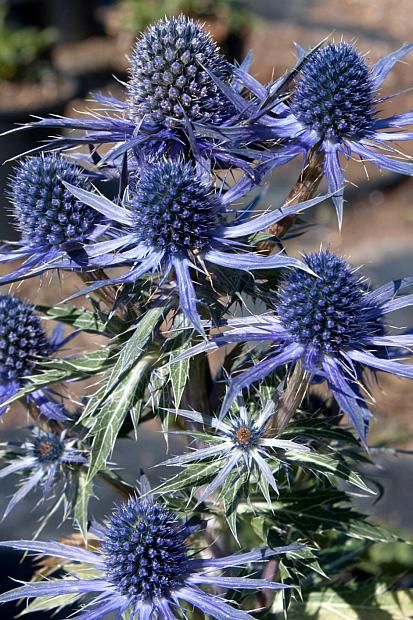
<point x="179" y="81"/>
<point x="332" y="324"/>
<point x="43" y="459"/>
<point x="55" y="227"/>
<point x="23" y="346"/>
<point x="240" y="443"/>
<point x="144" y="568"/>
<point x="334" y="109"/>
<point x="170" y="76"/>
<point x="175" y="219"/>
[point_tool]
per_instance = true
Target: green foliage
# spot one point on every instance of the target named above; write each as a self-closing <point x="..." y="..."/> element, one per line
<point x="140" y="14"/>
<point x="374" y="601"/>
<point x="23" y="50"/>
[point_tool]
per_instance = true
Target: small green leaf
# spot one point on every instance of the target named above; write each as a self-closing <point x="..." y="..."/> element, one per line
<point x="79" y="318"/>
<point x="334" y="466"/>
<point x="57" y="370"/>
<point x="193" y="476"/>
<point x="47" y="603"/>
<point x="84" y="493"/>
<point x="368" y="602"/>
<point x="178" y="372"/>
<point x="109" y="419"/>
<point x="134" y="347"/>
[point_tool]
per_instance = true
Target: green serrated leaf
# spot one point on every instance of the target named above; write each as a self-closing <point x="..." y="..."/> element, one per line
<point x="364" y="530"/>
<point x="48" y="603"/>
<point x="84" y="493"/>
<point x="58" y="370"/>
<point x="113" y="412"/>
<point x="134" y="348"/>
<point x="190" y="477"/>
<point x="334" y="466"/>
<point x="368" y="602"/>
<point x="79" y="318"/>
<point x="178" y="372"/>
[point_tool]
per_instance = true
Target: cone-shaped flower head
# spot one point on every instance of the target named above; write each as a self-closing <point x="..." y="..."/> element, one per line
<point x="174" y="210"/>
<point x="173" y="218"/>
<point x="334" y="111"/>
<point x="328" y="313"/>
<point x="23" y="346"/>
<point x="335" y="93"/>
<point x="23" y="342"/>
<point x="333" y="324"/>
<point x="170" y="74"/>
<point x="145" y="550"/>
<point x="47" y="213"/>
<point x="48" y="447"/>
<point x="144" y="569"/>
<point x="45" y="460"/>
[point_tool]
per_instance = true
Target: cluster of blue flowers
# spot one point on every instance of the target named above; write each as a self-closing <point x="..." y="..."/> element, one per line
<point x="193" y="138"/>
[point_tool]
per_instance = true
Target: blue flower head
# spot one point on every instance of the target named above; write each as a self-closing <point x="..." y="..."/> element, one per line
<point x="174" y="210"/>
<point x="55" y="227"/>
<point x="144" y="568"/>
<point x="180" y="94"/>
<point x="333" y="324"/>
<point x="43" y="459"/>
<point x="23" y="347"/>
<point x="170" y="75"/>
<point x="175" y="219"/>
<point x="48" y="448"/>
<point x="335" y="93"/>
<point x="145" y="551"/>
<point x="23" y="342"/>
<point x="47" y="213"/>
<point x="238" y="445"/>
<point x="334" y="110"/>
<point x="328" y="313"/>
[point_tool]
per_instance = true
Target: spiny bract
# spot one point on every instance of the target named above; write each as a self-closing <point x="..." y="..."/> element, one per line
<point x="47" y="213"/>
<point x="334" y="94"/>
<point x="170" y="75"/>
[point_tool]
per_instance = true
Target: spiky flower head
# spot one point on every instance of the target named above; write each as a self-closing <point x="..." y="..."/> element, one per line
<point x="174" y="209"/>
<point x="239" y="445"/>
<point x="329" y="313"/>
<point x="145" y="550"/>
<point x="170" y="74"/>
<point x="48" y="448"/>
<point x="335" y="93"/>
<point x="47" y="213"/>
<point x="23" y="342"/>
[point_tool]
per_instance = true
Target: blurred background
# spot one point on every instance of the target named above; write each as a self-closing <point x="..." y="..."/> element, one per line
<point x="54" y="52"/>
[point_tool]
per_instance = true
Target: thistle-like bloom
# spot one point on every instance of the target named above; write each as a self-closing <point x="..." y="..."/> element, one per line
<point x="332" y="324"/>
<point x="55" y="227"/>
<point x="179" y="83"/>
<point x="23" y="346"/>
<point x="145" y="569"/>
<point x="44" y="459"/>
<point x="334" y="109"/>
<point x="170" y="75"/>
<point x="239" y="444"/>
<point x="174" y="219"/>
